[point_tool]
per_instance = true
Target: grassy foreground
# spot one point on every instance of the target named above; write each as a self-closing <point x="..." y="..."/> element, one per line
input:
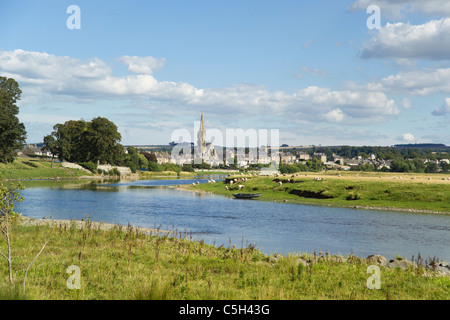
<point x="414" y="192"/>
<point x="122" y="263"/>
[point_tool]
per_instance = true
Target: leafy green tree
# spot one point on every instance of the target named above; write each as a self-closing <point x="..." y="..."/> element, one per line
<point x="155" y="167"/>
<point x="102" y="141"/>
<point x="445" y="166"/>
<point x="80" y="141"/>
<point x="12" y="132"/>
<point x="431" y="167"/>
<point x="50" y="145"/>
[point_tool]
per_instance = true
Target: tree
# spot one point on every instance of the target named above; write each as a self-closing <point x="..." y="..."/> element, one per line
<point x="102" y="141"/>
<point x="431" y="167"/>
<point x="50" y="145"/>
<point x="80" y="141"/>
<point x="12" y="132"/>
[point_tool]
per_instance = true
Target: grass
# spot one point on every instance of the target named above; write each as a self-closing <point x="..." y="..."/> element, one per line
<point x="122" y="263"/>
<point x="415" y="192"/>
<point x="38" y="168"/>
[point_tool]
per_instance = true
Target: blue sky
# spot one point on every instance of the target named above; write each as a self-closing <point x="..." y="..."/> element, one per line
<point x="311" y="69"/>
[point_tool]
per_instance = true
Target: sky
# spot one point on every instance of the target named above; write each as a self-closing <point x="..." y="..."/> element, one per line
<point x="316" y="70"/>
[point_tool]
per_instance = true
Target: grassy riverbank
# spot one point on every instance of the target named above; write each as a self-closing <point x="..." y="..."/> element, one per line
<point x="38" y="168"/>
<point x="411" y="192"/>
<point x="122" y="263"/>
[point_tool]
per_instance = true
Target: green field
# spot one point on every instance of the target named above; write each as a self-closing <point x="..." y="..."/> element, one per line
<point x="415" y="192"/>
<point x="38" y="168"/>
<point x="122" y="263"/>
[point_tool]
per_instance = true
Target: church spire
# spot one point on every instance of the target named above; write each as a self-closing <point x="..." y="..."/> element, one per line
<point x="201" y="136"/>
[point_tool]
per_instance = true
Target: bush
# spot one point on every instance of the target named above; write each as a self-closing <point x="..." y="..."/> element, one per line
<point x="154" y="167"/>
<point x="92" y="167"/>
<point x="114" y="172"/>
<point x="188" y="168"/>
<point x="172" y="167"/>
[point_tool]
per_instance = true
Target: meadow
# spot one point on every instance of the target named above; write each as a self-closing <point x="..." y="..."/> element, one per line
<point x="38" y="168"/>
<point x="390" y="191"/>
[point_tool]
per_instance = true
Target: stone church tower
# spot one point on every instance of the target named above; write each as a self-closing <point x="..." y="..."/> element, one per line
<point x="205" y="151"/>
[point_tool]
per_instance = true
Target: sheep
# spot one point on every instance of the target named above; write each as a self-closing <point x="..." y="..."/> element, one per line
<point x="318" y="179"/>
<point x="231" y="182"/>
<point x="226" y="187"/>
<point x="429" y="178"/>
<point x="280" y="183"/>
<point x="240" y="186"/>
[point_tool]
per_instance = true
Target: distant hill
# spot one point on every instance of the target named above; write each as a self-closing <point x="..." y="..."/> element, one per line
<point x="422" y="146"/>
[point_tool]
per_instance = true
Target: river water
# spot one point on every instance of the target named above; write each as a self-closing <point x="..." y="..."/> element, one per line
<point x="270" y="226"/>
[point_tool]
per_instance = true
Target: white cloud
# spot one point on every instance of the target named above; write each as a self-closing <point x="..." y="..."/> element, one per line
<point x="403" y="41"/>
<point x="423" y="82"/>
<point x="335" y="115"/>
<point x="42" y="74"/>
<point x="142" y="65"/>
<point x="408" y="137"/>
<point x="444" y="109"/>
<point x="399" y="8"/>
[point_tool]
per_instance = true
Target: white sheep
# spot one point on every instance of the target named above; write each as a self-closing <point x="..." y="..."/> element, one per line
<point x="280" y="183"/>
<point x="226" y="187"/>
<point x="240" y="186"/>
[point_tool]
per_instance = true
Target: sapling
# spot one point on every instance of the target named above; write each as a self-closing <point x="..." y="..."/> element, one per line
<point x="9" y="218"/>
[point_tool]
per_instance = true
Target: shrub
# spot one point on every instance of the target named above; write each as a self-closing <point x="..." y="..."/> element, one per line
<point x="92" y="167"/>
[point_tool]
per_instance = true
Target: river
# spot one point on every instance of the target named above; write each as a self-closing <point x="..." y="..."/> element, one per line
<point x="270" y="226"/>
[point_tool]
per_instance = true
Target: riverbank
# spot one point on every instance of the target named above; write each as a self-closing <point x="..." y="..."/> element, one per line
<point x="391" y="192"/>
<point x="36" y="168"/>
<point x="123" y="263"/>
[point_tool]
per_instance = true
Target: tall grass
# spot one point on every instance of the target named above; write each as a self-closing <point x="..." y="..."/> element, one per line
<point x="123" y="263"/>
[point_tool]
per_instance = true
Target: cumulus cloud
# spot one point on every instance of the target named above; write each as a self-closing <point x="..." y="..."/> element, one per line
<point x="142" y="65"/>
<point x="399" y="8"/>
<point x="443" y="110"/>
<point x="46" y="74"/>
<point x="422" y="82"/>
<point x="429" y="41"/>
<point x="408" y="137"/>
<point x="91" y="78"/>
